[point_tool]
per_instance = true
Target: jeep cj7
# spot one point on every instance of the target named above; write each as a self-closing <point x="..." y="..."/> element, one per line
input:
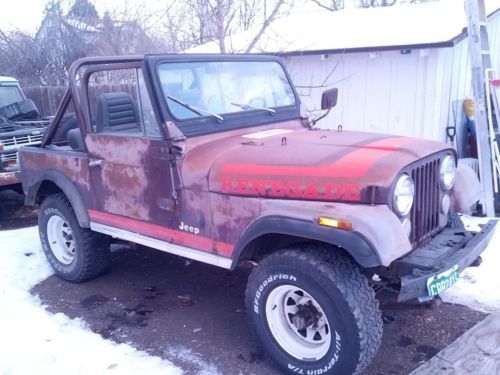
<point x="210" y="157"/>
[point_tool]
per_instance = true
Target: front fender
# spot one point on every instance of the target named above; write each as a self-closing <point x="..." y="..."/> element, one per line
<point x="377" y="237"/>
<point x="355" y="243"/>
<point x="467" y="190"/>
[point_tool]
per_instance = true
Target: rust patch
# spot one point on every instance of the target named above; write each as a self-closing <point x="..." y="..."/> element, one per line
<point x="126" y="190"/>
<point x="10" y="178"/>
<point x="121" y="180"/>
<point x="231" y="215"/>
<point x="118" y="149"/>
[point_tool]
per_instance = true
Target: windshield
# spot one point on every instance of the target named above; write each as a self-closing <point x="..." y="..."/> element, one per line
<point x="224" y="87"/>
<point x="9" y="95"/>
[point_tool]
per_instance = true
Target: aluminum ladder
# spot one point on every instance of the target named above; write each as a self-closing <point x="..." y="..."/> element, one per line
<point x="480" y="58"/>
<point x="493" y="110"/>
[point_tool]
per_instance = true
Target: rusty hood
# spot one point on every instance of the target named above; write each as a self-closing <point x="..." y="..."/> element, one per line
<point x="307" y="164"/>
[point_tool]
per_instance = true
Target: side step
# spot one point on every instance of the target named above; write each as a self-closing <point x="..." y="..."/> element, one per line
<point x="168" y="247"/>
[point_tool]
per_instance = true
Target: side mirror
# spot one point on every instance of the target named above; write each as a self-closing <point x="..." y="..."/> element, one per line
<point x="329" y="98"/>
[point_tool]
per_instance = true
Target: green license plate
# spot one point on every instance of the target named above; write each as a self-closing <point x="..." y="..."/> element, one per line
<point x="438" y="283"/>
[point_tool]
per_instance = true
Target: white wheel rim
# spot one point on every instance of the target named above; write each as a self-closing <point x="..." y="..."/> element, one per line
<point x="61" y="240"/>
<point x="282" y="308"/>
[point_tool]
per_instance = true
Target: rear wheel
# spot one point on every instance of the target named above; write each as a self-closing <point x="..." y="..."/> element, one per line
<point x="76" y="254"/>
<point x="314" y="312"/>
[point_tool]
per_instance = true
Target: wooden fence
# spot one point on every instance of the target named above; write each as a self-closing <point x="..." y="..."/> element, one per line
<point x="46" y="98"/>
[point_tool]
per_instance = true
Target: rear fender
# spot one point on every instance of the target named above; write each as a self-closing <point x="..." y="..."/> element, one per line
<point x="69" y="189"/>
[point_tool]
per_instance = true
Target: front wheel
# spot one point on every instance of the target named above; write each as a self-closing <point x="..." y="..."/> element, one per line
<point x="314" y="312"/>
<point x="76" y="254"/>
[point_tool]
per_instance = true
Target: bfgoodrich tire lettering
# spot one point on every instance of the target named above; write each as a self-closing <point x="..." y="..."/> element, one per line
<point x="332" y="283"/>
<point x="89" y="255"/>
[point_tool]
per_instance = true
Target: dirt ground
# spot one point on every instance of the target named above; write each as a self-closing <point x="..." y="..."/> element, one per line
<point x="13" y="212"/>
<point x="193" y="314"/>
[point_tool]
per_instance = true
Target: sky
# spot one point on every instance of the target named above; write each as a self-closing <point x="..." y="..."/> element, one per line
<point x="26" y="15"/>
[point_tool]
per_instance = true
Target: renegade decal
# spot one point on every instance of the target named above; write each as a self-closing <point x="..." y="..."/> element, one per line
<point x="290" y="189"/>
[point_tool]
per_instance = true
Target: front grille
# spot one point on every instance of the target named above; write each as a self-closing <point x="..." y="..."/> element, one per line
<point x="9" y="156"/>
<point x="425" y="210"/>
<point x="23" y="140"/>
<point x="12" y="144"/>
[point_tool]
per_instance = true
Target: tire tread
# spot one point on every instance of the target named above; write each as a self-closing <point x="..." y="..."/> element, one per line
<point x="353" y="285"/>
<point x="96" y="258"/>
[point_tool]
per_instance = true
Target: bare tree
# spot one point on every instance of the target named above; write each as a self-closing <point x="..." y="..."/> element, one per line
<point x="332" y="5"/>
<point x="218" y="20"/>
<point x="375" y="3"/>
<point x="128" y="29"/>
<point x="70" y="30"/>
<point x="20" y="57"/>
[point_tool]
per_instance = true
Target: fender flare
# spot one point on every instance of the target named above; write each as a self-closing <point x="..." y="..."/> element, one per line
<point x="355" y="243"/>
<point x="69" y="189"/>
<point x="467" y="190"/>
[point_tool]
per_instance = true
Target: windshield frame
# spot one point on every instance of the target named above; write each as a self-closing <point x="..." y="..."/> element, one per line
<point x="203" y="125"/>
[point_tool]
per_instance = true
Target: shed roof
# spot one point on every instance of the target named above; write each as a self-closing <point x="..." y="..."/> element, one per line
<point x="433" y="24"/>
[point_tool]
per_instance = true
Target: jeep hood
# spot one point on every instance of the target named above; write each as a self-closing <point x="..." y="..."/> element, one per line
<point x="308" y="164"/>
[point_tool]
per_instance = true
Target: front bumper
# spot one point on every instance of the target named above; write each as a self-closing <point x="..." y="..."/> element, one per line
<point x="445" y="250"/>
<point x="10" y="178"/>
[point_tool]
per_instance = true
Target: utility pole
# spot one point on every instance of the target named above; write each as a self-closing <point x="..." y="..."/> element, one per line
<point x="480" y="59"/>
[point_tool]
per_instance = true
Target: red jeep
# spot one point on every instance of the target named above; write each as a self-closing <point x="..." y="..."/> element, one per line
<point x="211" y="158"/>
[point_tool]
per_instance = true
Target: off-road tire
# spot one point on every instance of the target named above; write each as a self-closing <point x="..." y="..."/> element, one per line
<point x="343" y="293"/>
<point x="455" y="222"/>
<point x="92" y="252"/>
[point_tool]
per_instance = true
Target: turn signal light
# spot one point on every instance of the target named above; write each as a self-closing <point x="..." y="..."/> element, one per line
<point x="335" y="223"/>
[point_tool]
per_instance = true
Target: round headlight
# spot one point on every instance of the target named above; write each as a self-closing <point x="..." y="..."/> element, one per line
<point x="403" y="195"/>
<point x="447" y="172"/>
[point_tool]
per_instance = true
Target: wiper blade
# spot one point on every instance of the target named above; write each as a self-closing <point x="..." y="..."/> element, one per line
<point x="248" y="106"/>
<point x="197" y="110"/>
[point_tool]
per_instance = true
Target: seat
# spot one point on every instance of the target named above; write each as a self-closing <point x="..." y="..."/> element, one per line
<point x="117" y="112"/>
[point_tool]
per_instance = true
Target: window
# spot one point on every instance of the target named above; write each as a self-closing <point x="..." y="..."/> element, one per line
<point x="196" y="89"/>
<point x="9" y="95"/>
<point x="120" y="104"/>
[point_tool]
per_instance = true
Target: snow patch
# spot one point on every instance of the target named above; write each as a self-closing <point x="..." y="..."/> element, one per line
<point x="35" y="341"/>
<point x="479" y="287"/>
<point x="185" y="354"/>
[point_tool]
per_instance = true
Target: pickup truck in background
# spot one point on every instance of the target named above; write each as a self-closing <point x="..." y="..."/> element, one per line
<point x="20" y="125"/>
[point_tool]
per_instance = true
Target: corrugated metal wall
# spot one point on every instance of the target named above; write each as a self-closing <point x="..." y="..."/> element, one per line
<point x="391" y="91"/>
